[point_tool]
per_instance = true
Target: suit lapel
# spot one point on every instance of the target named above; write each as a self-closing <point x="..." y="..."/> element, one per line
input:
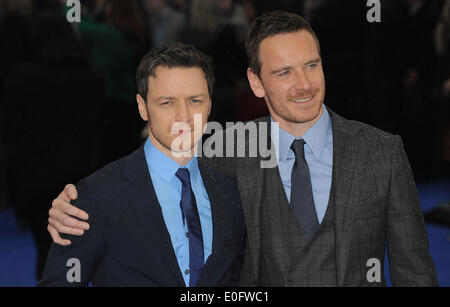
<point x="251" y="186"/>
<point x="143" y="198"/>
<point x="219" y="211"/>
<point x="220" y="220"/>
<point x="252" y="178"/>
<point x="349" y="160"/>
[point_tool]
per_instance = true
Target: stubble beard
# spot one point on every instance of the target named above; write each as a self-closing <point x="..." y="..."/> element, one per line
<point x="291" y="118"/>
<point x="168" y="147"/>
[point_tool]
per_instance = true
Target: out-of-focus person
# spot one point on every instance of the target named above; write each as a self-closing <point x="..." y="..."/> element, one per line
<point x="166" y="24"/>
<point x="218" y="28"/>
<point x="51" y="110"/>
<point x="441" y="94"/>
<point x="419" y="110"/>
<point x="115" y="37"/>
<point x="14" y="19"/>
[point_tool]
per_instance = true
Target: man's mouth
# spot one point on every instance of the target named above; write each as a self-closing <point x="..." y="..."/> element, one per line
<point x="302" y="100"/>
<point x="181" y="131"/>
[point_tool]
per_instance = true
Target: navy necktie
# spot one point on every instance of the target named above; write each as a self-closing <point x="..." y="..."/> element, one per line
<point x="302" y="200"/>
<point x="190" y="212"/>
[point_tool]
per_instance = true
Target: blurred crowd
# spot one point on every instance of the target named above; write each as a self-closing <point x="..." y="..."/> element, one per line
<point x="67" y="90"/>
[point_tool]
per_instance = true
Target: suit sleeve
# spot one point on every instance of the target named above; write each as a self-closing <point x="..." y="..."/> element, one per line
<point x="409" y="259"/>
<point x="73" y="266"/>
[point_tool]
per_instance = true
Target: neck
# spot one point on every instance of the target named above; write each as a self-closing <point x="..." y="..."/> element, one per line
<point x="182" y="161"/>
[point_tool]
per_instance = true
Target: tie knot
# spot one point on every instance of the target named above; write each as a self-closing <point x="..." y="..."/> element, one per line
<point x="298" y="148"/>
<point x="183" y="175"/>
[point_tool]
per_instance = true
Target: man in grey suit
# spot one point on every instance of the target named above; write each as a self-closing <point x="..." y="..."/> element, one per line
<point x="341" y="189"/>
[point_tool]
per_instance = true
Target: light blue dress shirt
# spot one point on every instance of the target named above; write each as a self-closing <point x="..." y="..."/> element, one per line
<point x="318" y="155"/>
<point x="168" y="191"/>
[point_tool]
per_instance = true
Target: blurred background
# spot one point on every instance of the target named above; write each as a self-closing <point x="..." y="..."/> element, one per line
<point x="67" y="94"/>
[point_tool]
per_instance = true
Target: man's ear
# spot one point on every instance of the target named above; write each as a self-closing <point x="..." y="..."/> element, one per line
<point x="142" y="106"/>
<point x="255" y="84"/>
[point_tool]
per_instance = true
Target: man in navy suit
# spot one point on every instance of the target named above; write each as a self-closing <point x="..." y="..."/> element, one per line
<point x="158" y="217"/>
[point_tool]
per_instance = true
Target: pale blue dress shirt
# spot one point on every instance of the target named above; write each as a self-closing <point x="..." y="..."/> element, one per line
<point x="318" y="155"/>
<point x="168" y="191"/>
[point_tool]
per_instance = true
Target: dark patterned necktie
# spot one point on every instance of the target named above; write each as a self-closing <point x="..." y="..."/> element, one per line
<point x="302" y="200"/>
<point x="190" y="212"/>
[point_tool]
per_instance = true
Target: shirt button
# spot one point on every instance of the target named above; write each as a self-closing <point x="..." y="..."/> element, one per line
<point x="186" y="272"/>
<point x="187" y="234"/>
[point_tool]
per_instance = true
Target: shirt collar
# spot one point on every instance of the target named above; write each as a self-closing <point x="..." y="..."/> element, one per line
<point x="163" y="165"/>
<point x="315" y="137"/>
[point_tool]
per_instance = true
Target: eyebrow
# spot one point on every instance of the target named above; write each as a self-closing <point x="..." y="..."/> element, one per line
<point x="197" y="96"/>
<point x="166" y="98"/>
<point x="317" y="60"/>
<point x="277" y="71"/>
<point x="274" y="72"/>
<point x="175" y="98"/>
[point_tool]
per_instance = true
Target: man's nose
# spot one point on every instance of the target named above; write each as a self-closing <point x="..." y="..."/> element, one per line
<point x="302" y="82"/>
<point x="183" y="113"/>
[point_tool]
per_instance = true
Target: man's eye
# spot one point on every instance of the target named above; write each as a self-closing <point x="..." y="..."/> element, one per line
<point x="284" y="73"/>
<point x="196" y="100"/>
<point x="165" y="103"/>
<point x="311" y="66"/>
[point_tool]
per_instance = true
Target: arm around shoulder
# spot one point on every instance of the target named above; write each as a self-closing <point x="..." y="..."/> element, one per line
<point x="73" y="265"/>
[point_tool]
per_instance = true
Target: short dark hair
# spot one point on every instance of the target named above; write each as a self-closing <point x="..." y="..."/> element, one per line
<point x="271" y="24"/>
<point x="172" y="56"/>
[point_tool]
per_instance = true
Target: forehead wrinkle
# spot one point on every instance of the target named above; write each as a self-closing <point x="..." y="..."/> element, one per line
<point x="279" y="47"/>
<point x="176" y="83"/>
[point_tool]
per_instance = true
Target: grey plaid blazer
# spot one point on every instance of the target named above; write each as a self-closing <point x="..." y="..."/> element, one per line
<point x="375" y="201"/>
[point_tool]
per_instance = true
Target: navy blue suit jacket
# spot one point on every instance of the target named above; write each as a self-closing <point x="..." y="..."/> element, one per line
<point x="128" y="243"/>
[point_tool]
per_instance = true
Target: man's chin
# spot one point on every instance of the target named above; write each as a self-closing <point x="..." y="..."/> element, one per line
<point x="300" y="119"/>
<point x="308" y="115"/>
<point x="183" y="153"/>
<point x="183" y="148"/>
